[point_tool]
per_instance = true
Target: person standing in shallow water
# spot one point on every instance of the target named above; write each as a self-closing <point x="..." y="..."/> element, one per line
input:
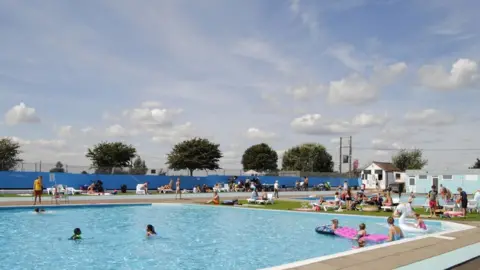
<point x="177" y="189"/>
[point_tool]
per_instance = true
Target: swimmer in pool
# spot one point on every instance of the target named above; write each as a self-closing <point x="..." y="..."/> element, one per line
<point x="77" y="234"/>
<point x="361" y="233"/>
<point x="38" y="210"/>
<point x="334" y="224"/>
<point x="151" y="230"/>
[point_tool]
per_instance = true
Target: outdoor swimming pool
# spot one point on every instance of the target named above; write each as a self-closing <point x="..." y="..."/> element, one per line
<point x="190" y="237"/>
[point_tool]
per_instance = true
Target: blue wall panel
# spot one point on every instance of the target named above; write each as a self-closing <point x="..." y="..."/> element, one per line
<point x="24" y="180"/>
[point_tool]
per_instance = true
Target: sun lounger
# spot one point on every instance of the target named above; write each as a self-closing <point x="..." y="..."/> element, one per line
<point x="269" y="200"/>
<point x="165" y="191"/>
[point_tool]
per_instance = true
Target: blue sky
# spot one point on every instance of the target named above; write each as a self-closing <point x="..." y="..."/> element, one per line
<point x="390" y="73"/>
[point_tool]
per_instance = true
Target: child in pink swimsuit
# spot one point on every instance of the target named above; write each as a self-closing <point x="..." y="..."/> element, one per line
<point x="420" y="223"/>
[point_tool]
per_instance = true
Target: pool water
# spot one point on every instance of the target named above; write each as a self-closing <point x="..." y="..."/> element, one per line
<point x="190" y="237"/>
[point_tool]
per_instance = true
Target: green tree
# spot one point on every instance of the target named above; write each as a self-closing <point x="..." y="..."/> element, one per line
<point x="476" y="165"/>
<point x="260" y="157"/>
<point x="9" y="154"/>
<point x="194" y="154"/>
<point x="308" y="157"/>
<point x="58" y="168"/>
<point x="139" y="167"/>
<point x="106" y="156"/>
<point x="409" y="159"/>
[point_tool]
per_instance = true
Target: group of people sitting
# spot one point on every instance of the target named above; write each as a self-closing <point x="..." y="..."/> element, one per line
<point x="353" y="202"/>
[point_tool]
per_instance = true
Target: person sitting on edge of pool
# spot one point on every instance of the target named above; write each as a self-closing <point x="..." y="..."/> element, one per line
<point x="151" y="230"/>
<point x="77" y="234"/>
<point x="38" y="210"/>
<point x="216" y="198"/>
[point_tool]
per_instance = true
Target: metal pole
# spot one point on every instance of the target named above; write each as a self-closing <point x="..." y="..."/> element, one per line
<point x="340" y="160"/>
<point x="350" y="155"/>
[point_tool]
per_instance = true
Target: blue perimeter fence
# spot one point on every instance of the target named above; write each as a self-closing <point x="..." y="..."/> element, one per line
<point x="24" y="180"/>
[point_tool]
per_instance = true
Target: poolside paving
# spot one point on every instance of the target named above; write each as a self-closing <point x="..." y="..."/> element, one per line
<point x="403" y="254"/>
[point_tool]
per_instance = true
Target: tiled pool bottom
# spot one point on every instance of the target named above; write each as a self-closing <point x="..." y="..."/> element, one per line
<point x="191" y="237"/>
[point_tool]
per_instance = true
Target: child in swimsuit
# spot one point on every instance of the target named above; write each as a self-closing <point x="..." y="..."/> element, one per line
<point x="334" y="224"/>
<point x="38" y="210"/>
<point x="420" y="224"/>
<point x="151" y="230"/>
<point x="77" y="234"/>
<point x="360" y="234"/>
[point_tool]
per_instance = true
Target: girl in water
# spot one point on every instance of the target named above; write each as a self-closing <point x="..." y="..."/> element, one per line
<point x="151" y="230"/>
<point x="420" y="224"/>
<point x="394" y="232"/>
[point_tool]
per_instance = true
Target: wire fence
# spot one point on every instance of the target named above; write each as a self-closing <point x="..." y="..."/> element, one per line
<point x="79" y="169"/>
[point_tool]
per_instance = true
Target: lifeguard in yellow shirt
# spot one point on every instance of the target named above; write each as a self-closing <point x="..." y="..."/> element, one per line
<point x="38" y="190"/>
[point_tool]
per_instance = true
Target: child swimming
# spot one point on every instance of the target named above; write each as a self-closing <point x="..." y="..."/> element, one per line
<point x="334" y="224"/>
<point x="77" y="234"/>
<point x="360" y="234"/>
<point x="151" y="230"/>
<point x="38" y="210"/>
<point x="420" y="224"/>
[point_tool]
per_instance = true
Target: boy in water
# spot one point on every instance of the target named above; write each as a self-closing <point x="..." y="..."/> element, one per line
<point x="38" y="210"/>
<point x="77" y="234"/>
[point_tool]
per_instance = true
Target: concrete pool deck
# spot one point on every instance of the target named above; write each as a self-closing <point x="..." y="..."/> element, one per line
<point x="388" y="257"/>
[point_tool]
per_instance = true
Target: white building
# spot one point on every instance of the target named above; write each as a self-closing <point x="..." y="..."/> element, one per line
<point x="381" y="173"/>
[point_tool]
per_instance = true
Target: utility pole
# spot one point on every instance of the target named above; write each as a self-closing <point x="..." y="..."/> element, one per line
<point x="350" y="156"/>
<point x="349" y="146"/>
<point x="340" y="160"/>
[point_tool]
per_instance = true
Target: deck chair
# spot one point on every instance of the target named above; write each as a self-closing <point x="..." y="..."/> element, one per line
<point x="250" y="200"/>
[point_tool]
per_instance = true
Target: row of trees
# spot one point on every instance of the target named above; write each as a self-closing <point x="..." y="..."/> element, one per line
<point x="202" y="154"/>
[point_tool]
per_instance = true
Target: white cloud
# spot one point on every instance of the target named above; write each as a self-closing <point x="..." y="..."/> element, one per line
<point x="343" y="52"/>
<point x="305" y="92"/>
<point x="87" y="130"/>
<point x="369" y="120"/>
<point x="429" y="117"/>
<point x="385" y="145"/>
<point x="356" y="89"/>
<point x="120" y="131"/>
<point x="262" y="51"/>
<point x="21" y="114"/>
<point x="65" y="131"/>
<point x="255" y="133"/>
<point x="464" y="73"/>
<point x="316" y="124"/>
<point x="149" y="116"/>
<point x="42" y="143"/>
<point x="174" y="134"/>
<point x="151" y="104"/>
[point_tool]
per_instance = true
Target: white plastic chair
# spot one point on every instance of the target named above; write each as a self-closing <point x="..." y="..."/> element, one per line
<point x="473" y="206"/>
<point x="140" y="190"/>
<point x="270" y="199"/>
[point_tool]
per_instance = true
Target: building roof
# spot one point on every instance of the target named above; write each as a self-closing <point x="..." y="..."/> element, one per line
<point x="387" y="166"/>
